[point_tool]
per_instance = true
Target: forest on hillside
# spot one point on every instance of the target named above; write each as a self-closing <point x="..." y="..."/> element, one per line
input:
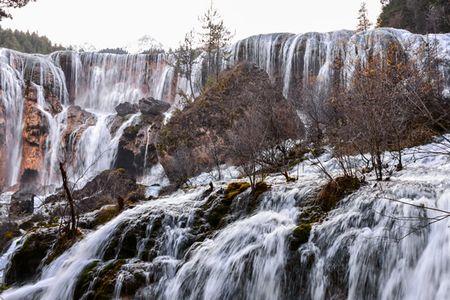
<point x="418" y="16"/>
<point x="27" y="42"/>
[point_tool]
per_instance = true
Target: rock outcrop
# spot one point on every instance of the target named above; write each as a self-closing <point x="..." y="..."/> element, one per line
<point x="35" y="132"/>
<point x="109" y="187"/>
<point x="153" y="107"/>
<point x="126" y="108"/>
<point x="197" y="135"/>
<point x="22" y="204"/>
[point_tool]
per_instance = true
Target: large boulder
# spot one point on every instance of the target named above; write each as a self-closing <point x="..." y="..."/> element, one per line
<point x="126" y="108"/>
<point x="109" y="187"/>
<point x="153" y="107"/>
<point x="78" y="120"/>
<point x="8" y="231"/>
<point x="137" y="150"/>
<point x="22" y="204"/>
<point x="25" y="262"/>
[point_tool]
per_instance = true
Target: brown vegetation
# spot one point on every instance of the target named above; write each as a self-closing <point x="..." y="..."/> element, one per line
<point x="241" y="119"/>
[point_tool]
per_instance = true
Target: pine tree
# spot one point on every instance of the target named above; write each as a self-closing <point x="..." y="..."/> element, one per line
<point x="185" y="57"/>
<point x="215" y="38"/>
<point x="363" y="19"/>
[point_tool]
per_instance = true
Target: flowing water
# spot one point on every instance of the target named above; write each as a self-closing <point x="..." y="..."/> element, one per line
<point x="369" y="247"/>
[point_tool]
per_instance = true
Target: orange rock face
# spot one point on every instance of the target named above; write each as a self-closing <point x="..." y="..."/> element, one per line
<point x="34" y="136"/>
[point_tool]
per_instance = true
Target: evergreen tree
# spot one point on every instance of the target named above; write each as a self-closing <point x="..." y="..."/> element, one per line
<point x="185" y="57"/>
<point x="215" y="38"/>
<point x="26" y="42"/>
<point x="363" y="19"/>
<point x="418" y="16"/>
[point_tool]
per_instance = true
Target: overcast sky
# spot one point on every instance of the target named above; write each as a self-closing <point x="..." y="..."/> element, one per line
<point x="113" y="23"/>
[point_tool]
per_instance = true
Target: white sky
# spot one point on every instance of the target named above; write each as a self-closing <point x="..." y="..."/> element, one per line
<point x="115" y="23"/>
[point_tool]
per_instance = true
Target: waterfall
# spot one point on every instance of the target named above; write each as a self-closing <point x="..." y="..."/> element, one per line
<point x="369" y="247"/>
<point x="96" y="83"/>
<point x="293" y="60"/>
<point x="12" y="100"/>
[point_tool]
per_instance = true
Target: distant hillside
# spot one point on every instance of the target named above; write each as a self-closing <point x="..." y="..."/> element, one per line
<point x="418" y="16"/>
<point x="26" y="42"/>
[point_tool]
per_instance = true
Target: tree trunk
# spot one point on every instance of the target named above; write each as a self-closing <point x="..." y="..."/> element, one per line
<point x="73" y="226"/>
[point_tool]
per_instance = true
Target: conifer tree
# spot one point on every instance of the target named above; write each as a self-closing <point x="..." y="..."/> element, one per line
<point x="363" y="19"/>
<point x="185" y="57"/>
<point x="215" y="38"/>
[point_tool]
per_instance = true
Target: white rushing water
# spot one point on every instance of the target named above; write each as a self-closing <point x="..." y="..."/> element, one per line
<point x="95" y="82"/>
<point x="369" y="247"/>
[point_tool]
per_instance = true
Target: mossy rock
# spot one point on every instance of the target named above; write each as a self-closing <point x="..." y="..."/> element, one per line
<point x="335" y="190"/>
<point x="300" y="235"/>
<point x="106" y="214"/>
<point x="235" y="188"/>
<point x="97" y="281"/>
<point x="25" y="262"/>
<point x="85" y="278"/>
<point x="63" y="242"/>
<point x="260" y="188"/>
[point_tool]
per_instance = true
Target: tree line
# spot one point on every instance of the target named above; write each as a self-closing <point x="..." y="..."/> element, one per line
<point x="27" y="42"/>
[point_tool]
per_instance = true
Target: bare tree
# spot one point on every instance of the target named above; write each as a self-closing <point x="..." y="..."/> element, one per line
<point x="72" y="229"/>
<point x="261" y="141"/>
<point x="247" y="139"/>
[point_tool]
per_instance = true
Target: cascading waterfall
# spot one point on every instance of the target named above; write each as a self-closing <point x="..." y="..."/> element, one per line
<point x="97" y="83"/>
<point x="295" y="60"/>
<point x="12" y="101"/>
<point x="369" y="247"/>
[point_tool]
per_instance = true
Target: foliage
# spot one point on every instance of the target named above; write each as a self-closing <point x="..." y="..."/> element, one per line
<point x="240" y="116"/>
<point x="27" y="42"/>
<point x="363" y="19"/>
<point x="8" y="4"/>
<point x="185" y="56"/>
<point x="214" y="38"/>
<point x="113" y="51"/>
<point x="418" y="16"/>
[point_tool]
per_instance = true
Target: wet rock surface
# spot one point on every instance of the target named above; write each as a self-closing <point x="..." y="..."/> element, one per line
<point x="109" y="187"/>
<point x="126" y="108"/>
<point x="153" y="107"/>
<point x="22" y="204"/>
<point x="24" y="264"/>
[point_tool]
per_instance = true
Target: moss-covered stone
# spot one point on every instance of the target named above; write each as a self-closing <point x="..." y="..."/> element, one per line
<point x="106" y="214"/>
<point x="335" y="190"/>
<point x="233" y="189"/>
<point x="300" y="235"/>
<point x="26" y="260"/>
<point x="63" y="242"/>
<point x="97" y="280"/>
<point x="85" y="278"/>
